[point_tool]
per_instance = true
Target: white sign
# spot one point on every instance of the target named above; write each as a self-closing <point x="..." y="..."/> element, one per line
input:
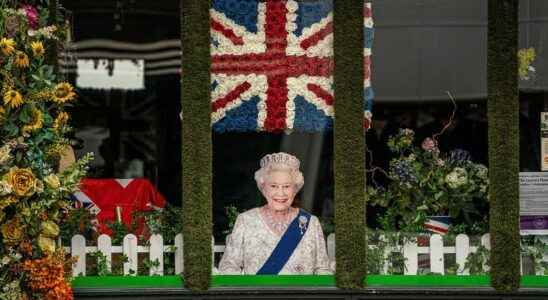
<point x="533" y="193"/>
<point x="103" y="74"/>
<point x="533" y="202"/>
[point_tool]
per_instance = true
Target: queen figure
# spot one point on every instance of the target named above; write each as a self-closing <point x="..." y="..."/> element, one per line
<point x="276" y="238"/>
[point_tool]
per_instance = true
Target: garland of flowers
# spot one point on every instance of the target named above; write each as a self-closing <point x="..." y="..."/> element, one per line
<point x="33" y="126"/>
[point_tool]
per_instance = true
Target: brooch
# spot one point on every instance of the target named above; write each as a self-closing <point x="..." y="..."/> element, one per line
<point x="302" y="224"/>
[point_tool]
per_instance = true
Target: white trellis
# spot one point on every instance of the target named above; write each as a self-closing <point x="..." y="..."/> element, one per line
<point x="156" y="250"/>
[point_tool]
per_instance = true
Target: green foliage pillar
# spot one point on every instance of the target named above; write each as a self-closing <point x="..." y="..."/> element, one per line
<point x="349" y="145"/>
<point x="196" y="143"/>
<point x="503" y="108"/>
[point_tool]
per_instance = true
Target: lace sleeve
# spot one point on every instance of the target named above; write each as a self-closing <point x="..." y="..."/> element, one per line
<point x="232" y="261"/>
<point x="321" y="265"/>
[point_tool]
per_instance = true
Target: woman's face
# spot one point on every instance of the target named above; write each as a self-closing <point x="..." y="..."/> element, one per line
<point x="279" y="190"/>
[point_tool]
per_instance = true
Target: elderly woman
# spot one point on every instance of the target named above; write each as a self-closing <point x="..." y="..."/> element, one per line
<point x="276" y="238"/>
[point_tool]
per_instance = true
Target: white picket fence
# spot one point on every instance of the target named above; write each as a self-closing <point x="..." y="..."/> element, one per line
<point x="156" y="250"/>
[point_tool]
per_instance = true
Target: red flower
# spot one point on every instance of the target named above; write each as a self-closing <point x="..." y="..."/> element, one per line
<point x="32" y="16"/>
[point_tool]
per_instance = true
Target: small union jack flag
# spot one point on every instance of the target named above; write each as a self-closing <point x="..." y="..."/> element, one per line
<point x="272" y="65"/>
<point x="438" y="224"/>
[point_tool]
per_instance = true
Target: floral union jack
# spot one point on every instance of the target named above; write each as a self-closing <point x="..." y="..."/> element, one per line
<point x="272" y="65"/>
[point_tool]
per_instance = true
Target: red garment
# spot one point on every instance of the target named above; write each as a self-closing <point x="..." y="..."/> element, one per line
<point x="106" y="194"/>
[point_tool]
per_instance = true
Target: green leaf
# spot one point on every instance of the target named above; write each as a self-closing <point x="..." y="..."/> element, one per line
<point x="24" y="115"/>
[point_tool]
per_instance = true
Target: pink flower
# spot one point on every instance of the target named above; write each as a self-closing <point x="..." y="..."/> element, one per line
<point x="429" y="145"/>
<point x="32" y="16"/>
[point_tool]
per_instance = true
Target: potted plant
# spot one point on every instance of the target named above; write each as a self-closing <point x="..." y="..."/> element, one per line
<point x="423" y="182"/>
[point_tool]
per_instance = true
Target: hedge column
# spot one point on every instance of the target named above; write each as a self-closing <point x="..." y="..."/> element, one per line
<point x="349" y="144"/>
<point x="503" y="107"/>
<point x="196" y="143"/>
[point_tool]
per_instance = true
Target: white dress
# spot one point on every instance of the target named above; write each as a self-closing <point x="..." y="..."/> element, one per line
<point x="252" y="242"/>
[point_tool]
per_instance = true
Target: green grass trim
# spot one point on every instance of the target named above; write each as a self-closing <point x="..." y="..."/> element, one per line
<point x="503" y="121"/>
<point x="127" y="282"/>
<point x="373" y="281"/>
<point x="196" y="143"/>
<point x="349" y="144"/>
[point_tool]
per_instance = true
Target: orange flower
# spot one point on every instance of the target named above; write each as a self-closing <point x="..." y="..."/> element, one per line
<point x="47" y="276"/>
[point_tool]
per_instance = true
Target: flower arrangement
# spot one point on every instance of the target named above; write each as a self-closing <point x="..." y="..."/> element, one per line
<point x="33" y="128"/>
<point x="423" y="182"/>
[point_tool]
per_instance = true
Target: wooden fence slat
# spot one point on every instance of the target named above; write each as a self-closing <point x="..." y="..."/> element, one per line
<point x="78" y="249"/>
<point x="130" y="251"/>
<point x="411" y="257"/>
<point x="104" y="246"/>
<point x="156" y="255"/>
<point x="462" y="245"/>
<point x="486" y="242"/>
<point x="179" y="258"/>
<point x="436" y="254"/>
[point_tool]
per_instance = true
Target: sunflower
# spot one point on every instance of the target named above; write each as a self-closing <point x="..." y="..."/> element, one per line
<point x="21" y="60"/>
<point x="63" y="92"/>
<point x="13" y="99"/>
<point x="37" y="48"/>
<point x="60" y="120"/>
<point x="7" y="46"/>
<point x="36" y="121"/>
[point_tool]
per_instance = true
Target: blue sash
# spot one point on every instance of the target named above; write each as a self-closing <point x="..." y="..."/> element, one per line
<point x="287" y="245"/>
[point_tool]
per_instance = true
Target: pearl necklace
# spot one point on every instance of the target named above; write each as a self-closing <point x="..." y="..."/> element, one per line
<point x="277" y="226"/>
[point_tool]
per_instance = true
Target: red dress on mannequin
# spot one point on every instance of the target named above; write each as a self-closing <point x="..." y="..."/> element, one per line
<point x="131" y="195"/>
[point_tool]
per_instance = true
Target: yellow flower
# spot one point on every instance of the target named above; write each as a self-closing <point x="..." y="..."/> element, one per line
<point x="36" y="121"/>
<point x="7" y="46"/>
<point x="49" y="229"/>
<point x="37" y="48"/>
<point x="12" y="232"/>
<point x="63" y="92"/>
<point x="22" y="181"/>
<point x="60" y="120"/>
<point x="13" y="99"/>
<point x="46" y="244"/>
<point x="21" y="60"/>
<point x="2" y="114"/>
<point x="52" y="181"/>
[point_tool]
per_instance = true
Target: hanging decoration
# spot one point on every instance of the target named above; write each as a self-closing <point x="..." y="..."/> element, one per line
<point x="272" y="65"/>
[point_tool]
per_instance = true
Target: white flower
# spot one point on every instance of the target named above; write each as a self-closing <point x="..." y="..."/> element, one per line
<point x="5" y="260"/>
<point x="292" y="6"/>
<point x="456" y="178"/>
<point x="5" y="188"/>
<point x="290" y="105"/>
<point x="5" y="154"/>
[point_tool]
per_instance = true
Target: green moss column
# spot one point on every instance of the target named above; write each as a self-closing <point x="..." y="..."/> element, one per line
<point x="349" y="144"/>
<point x="196" y="143"/>
<point x="503" y="107"/>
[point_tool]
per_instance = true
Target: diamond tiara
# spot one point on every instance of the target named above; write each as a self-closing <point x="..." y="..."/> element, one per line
<point x="280" y="158"/>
